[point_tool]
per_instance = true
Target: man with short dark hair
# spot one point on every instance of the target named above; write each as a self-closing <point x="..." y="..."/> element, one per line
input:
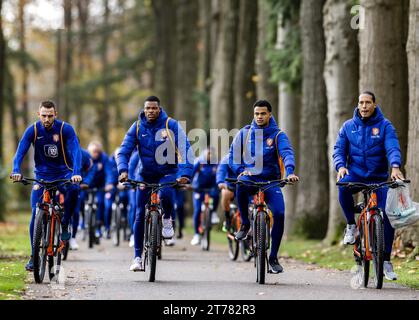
<point x="57" y="156"/>
<point x="263" y="140"/>
<point x="366" y="146"/>
<point x="152" y="132"/>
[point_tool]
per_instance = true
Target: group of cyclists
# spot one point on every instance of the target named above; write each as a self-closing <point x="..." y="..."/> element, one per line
<point x="367" y="144"/>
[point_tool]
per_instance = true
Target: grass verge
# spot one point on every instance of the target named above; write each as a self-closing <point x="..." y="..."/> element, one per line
<point x="14" y="253"/>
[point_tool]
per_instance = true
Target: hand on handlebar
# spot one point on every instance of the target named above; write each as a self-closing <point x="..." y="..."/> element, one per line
<point x="293" y="178"/>
<point x="16" y="177"/>
<point x="396" y="174"/>
<point x="342" y="173"/>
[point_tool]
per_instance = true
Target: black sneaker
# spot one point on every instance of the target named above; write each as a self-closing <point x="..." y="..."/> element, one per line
<point x="242" y="234"/>
<point x="180" y="234"/>
<point x="275" y="266"/>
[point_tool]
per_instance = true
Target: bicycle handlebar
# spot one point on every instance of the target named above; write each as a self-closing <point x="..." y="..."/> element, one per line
<point x="372" y="186"/>
<point x="159" y="186"/>
<point x="280" y="182"/>
<point x="26" y="181"/>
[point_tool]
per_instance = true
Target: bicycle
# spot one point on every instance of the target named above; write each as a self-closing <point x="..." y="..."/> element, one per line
<point x="369" y="244"/>
<point x="260" y="224"/>
<point x="233" y="244"/>
<point x="153" y="224"/>
<point x="90" y="208"/>
<point x="47" y="244"/>
<point x="119" y="220"/>
<point x="205" y="218"/>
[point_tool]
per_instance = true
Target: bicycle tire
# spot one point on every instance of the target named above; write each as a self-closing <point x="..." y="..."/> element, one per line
<point x="233" y="245"/>
<point x="364" y="263"/>
<point x="39" y="246"/>
<point x="116" y="236"/>
<point x="377" y="244"/>
<point x="261" y="248"/>
<point x="153" y="245"/>
<point x="245" y="250"/>
<point x="54" y="262"/>
<point x="205" y="242"/>
<point x="91" y="227"/>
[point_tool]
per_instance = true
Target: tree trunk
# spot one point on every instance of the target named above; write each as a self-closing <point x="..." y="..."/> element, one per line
<point x="10" y="100"/>
<point x="58" y="68"/>
<point x="383" y="63"/>
<point x="68" y="22"/>
<point x="341" y="76"/>
<point x="410" y="236"/>
<point x="264" y="87"/>
<point x="222" y="95"/>
<point x="313" y="192"/>
<point x="186" y="61"/>
<point x="2" y="67"/>
<point x="103" y="116"/>
<point x="244" y="87"/>
<point x="165" y="69"/>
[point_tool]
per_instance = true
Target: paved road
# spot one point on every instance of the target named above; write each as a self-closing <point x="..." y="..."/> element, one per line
<point x="188" y="273"/>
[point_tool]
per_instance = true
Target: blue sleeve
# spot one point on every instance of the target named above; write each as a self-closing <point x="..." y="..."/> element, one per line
<point x="287" y="153"/>
<point x="133" y="163"/>
<point x="340" y="153"/>
<point x="236" y="156"/>
<point x="73" y="149"/>
<point x="22" y="149"/>
<point x="111" y="171"/>
<point x="196" y="167"/>
<point x="392" y="146"/>
<point x="222" y="173"/>
<point x="186" y="152"/>
<point x="127" y="147"/>
<point x="88" y="178"/>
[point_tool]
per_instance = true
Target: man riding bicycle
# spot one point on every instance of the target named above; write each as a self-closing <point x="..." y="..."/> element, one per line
<point x="268" y="145"/>
<point x="204" y="175"/>
<point x="366" y="146"/>
<point x="164" y="154"/>
<point x="57" y="156"/>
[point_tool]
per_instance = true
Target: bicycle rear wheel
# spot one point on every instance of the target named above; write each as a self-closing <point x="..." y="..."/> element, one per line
<point x="377" y="247"/>
<point x="116" y="226"/>
<point x="261" y="247"/>
<point x="205" y="242"/>
<point x="40" y="246"/>
<point x="233" y="244"/>
<point x="153" y="245"/>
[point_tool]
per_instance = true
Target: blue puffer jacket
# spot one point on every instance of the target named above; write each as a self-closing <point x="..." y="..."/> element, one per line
<point x="112" y="176"/>
<point x="88" y="168"/>
<point x="102" y="174"/>
<point x="271" y="164"/>
<point x="204" y="174"/>
<point x="224" y="171"/>
<point x="366" y="148"/>
<point x="134" y="167"/>
<point x="148" y="140"/>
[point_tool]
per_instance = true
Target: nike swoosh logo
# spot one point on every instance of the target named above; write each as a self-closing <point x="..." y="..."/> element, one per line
<point x="39" y="138"/>
<point x="144" y="135"/>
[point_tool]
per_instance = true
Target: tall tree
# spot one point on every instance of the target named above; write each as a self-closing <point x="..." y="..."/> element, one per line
<point x="68" y="66"/>
<point x="222" y="95"/>
<point x="186" y="61"/>
<point x="341" y="76"/>
<point x="244" y="86"/>
<point x="58" y="67"/>
<point x="313" y="194"/>
<point x="410" y="236"/>
<point x="103" y="116"/>
<point x="2" y="67"/>
<point x="165" y="47"/>
<point x="265" y="88"/>
<point x="383" y="63"/>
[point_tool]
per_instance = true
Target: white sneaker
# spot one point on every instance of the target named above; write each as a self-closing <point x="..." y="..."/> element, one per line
<point x="136" y="265"/>
<point x="389" y="272"/>
<point x="350" y="234"/>
<point x="131" y="241"/>
<point x="170" y="242"/>
<point x="168" y="231"/>
<point x="73" y="244"/>
<point x="214" y="218"/>
<point x="196" y="240"/>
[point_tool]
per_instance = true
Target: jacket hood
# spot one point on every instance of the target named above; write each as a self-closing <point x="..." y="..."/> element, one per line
<point x="271" y="128"/>
<point x="377" y="117"/>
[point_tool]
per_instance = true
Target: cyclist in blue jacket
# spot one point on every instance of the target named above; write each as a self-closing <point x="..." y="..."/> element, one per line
<point x="101" y="161"/>
<point x="365" y="148"/>
<point x="273" y="154"/>
<point x="204" y="177"/>
<point x="57" y="156"/>
<point x="165" y="156"/>
<point x="88" y="172"/>
<point x="227" y="189"/>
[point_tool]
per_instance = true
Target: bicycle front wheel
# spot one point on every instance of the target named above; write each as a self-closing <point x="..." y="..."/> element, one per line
<point x="40" y="246"/>
<point x="261" y="247"/>
<point x="153" y="245"/>
<point x="377" y="247"/>
<point x="363" y="260"/>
